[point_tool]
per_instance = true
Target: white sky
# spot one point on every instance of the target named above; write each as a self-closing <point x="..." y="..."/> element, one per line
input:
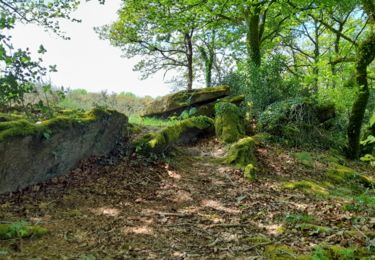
<point x="85" y="61"/>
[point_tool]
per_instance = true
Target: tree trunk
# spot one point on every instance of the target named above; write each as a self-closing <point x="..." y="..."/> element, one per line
<point x="370" y="130"/>
<point x="366" y="54"/>
<point x="208" y="59"/>
<point x="189" y="56"/>
<point x="253" y="39"/>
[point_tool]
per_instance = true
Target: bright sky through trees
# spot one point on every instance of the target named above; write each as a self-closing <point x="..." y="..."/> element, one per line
<point x="86" y="61"/>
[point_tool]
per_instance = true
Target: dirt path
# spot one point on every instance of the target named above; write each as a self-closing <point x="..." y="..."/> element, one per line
<point x="190" y="207"/>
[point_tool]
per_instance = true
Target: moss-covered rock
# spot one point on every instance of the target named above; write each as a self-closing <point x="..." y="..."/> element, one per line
<point x="176" y="103"/>
<point x="20" y="230"/>
<point x="181" y="133"/>
<point x="242" y="153"/>
<point x="306" y="186"/>
<point x="209" y="109"/>
<point x="250" y="172"/>
<point x="341" y="174"/>
<point x="229" y="124"/>
<point x="23" y="127"/>
<point x="34" y="152"/>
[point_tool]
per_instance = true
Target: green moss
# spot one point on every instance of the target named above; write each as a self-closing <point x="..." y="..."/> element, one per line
<point x="162" y="140"/>
<point x="233" y="99"/>
<point x="306" y="186"/>
<point x="342" y="175"/>
<point x="258" y="239"/>
<point x="229" y="124"/>
<point x="9" y="117"/>
<point x="23" y="127"/>
<point x="312" y="229"/>
<point x="242" y="153"/>
<point x="261" y="138"/>
<point x="20" y="230"/>
<point x="249" y="172"/>
<point x="282" y="252"/>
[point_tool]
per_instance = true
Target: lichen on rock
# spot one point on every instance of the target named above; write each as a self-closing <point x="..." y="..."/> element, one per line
<point x="229" y="124"/>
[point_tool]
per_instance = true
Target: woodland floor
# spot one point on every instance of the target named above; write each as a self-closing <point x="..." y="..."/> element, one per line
<point x="188" y="207"/>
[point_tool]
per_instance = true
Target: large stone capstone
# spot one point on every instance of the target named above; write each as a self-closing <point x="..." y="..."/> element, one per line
<point x="174" y="104"/>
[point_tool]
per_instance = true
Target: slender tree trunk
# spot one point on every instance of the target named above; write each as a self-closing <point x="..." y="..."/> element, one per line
<point x="208" y="59"/>
<point x="209" y="67"/>
<point x="366" y="54"/>
<point x="316" y="64"/>
<point x="253" y="39"/>
<point x="189" y="56"/>
<point x="370" y="130"/>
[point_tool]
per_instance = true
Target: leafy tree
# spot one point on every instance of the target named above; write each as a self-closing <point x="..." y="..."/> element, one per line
<point x="160" y="31"/>
<point x="255" y="21"/>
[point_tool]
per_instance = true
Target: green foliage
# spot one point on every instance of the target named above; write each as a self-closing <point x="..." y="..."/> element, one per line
<point x="301" y="122"/>
<point x="305" y="158"/>
<point x="299" y="218"/>
<point x="20" y="230"/>
<point x="127" y="103"/>
<point x="263" y="85"/>
<point x="363" y="202"/>
<point x="327" y="252"/>
<point x="149" y="121"/>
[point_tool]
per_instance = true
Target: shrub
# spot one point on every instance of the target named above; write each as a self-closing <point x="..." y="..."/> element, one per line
<point x="263" y="85"/>
<point x="300" y="122"/>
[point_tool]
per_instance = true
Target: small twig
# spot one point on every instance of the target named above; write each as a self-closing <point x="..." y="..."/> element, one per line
<point x="174" y="214"/>
<point x="363" y="234"/>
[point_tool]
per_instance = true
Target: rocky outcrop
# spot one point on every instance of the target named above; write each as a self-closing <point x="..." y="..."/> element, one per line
<point x="176" y="103"/>
<point x="32" y="153"/>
